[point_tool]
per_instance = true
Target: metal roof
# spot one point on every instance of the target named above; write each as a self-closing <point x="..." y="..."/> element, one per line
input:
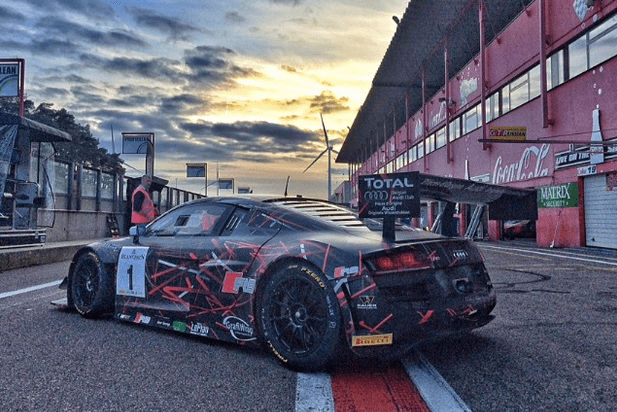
<point x="39" y="132"/>
<point x="419" y="42"/>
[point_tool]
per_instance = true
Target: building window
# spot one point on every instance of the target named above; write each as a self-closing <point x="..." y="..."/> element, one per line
<point x="534" y="83"/>
<point x="471" y="119"/>
<point x="61" y="178"/>
<point x="413" y="154"/>
<point x="107" y="186"/>
<point x="400" y="162"/>
<point x="455" y="129"/>
<point x="88" y="182"/>
<point x="577" y="57"/>
<point x="420" y="150"/>
<point x="603" y="42"/>
<point x="519" y="91"/>
<point x="440" y="138"/>
<point x="492" y="107"/>
<point x="554" y="70"/>
<point x="430" y="143"/>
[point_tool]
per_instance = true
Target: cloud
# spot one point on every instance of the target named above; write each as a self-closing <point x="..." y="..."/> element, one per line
<point x="251" y="141"/>
<point x="90" y="8"/>
<point x="157" y="68"/>
<point x="174" y="28"/>
<point x="184" y="104"/>
<point x="112" y="39"/>
<point x="9" y="16"/>
<point x="234" y="17"/>
<point x="287" y="2"/>
<point x="326" y="102"/>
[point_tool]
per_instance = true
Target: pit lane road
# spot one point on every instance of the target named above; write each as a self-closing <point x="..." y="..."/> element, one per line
<point x="54" y="360"/>
<point x="551" y="347"/>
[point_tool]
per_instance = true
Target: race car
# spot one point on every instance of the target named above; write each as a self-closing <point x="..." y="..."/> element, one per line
<point x="302" y="277"/>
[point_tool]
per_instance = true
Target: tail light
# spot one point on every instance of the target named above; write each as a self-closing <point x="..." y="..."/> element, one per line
<point x="398" y="262"/>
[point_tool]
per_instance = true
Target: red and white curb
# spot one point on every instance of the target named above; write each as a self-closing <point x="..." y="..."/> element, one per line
<point x="436" y="392"/>
<point x="314" y="392"/>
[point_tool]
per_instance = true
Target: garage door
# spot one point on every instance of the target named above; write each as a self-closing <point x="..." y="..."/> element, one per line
<point x="600" y="213"/>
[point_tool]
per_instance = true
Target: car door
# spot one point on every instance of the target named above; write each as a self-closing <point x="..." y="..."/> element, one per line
<point x="197" y="271"/>
<point x="176" y="245"/>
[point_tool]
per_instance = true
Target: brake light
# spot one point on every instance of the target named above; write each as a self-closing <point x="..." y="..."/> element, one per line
<point x="401" y="261"/>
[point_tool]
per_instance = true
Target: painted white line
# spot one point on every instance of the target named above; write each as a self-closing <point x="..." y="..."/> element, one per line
<point x="30" y="289"/>
<point x="603" y="262"/>
<point x="314" y="393"/>
<point x="436" y="392"/>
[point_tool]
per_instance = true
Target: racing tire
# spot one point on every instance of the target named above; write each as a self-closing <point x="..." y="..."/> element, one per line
<point x="299" y="317"/>
<point x="91" y="288"/>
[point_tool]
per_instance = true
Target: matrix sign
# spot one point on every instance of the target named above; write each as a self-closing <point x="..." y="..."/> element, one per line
<point x="389" y="195"/>
<point x="558" y="196"/>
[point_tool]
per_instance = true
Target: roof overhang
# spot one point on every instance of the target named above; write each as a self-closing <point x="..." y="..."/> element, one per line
<point x="38" y="132"/>
<point x="417" y="47"/>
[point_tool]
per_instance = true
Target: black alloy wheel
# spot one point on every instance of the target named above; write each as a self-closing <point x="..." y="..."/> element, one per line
<point x="299" y="317"/>
<point x="91" y="288"/>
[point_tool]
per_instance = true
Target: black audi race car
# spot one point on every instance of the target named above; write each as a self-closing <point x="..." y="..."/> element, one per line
<point x="301" y="277"/>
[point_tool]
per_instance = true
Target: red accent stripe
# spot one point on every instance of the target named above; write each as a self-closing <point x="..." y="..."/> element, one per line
<point x="388" y="389"/>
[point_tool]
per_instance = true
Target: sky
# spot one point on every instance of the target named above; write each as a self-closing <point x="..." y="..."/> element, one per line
<point x="237" y="84"/>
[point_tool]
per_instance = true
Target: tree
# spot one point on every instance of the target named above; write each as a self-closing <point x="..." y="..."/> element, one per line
<point x="84" y="147"/>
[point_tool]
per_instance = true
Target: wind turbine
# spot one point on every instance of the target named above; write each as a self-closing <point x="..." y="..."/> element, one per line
<point x="328" y="149"/>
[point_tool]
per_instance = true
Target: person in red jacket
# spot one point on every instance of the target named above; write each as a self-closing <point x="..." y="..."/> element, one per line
<point x="144" y="211"/>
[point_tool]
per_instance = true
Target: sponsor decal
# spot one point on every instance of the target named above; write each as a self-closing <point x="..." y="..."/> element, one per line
<point x="372" y="340"/>
<point x="199" y="329"/>
<point x="314" y="276"/>
<point x="239" y="329"/>
<point x="529" y="166"/>
<point x="163" y="323"/>
<point x="587" y="170"/>
<point x="234" y="281"/>
<point x="459" y="254"/>
<point x="366" y="302"/>
<point x="131" y="272"/>
<point x="179" y="326"/>
<point x="341" y="271"/>
<point x="389" y="195"/>
<point x="124" y="316"/>
<point x="140" y="318"/>
<point x="558" y="196"/>
<point x="276" y="353"/>
<point x="508" y="133"/>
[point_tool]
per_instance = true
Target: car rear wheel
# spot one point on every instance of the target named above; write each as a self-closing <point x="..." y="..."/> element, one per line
<point x="91" y="288"/>
<point x="299" y="317"/>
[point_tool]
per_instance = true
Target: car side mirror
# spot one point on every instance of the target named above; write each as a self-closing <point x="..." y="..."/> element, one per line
<point x="135" y="233"/>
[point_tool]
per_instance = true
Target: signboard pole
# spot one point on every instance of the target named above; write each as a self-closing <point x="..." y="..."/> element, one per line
<point x="389" y="228"/>
<point x="21" y="86"/>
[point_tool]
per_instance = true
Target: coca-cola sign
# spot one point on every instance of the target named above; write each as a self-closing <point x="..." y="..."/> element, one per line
<point x="530" y="165"/>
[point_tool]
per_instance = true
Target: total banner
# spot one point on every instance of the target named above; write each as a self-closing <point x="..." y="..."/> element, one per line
<point x="389" y="195"/>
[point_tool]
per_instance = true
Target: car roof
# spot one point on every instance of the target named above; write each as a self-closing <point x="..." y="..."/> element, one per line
<point x="319" y="209"/>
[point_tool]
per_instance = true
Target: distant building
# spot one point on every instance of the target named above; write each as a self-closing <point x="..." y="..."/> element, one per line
<point x="342" y="193"/>
<point x="517" y="93"/>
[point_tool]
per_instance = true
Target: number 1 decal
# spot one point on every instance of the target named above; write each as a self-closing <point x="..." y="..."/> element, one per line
<point x="131" y="274"/>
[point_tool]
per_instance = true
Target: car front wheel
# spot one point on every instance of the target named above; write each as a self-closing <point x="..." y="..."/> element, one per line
<point x="299" y="317"/>
<point x="91" y="288"/>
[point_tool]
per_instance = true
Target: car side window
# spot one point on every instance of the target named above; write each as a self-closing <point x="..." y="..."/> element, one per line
<point x="198" y="219"/>
<point x="236" y="220"/>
